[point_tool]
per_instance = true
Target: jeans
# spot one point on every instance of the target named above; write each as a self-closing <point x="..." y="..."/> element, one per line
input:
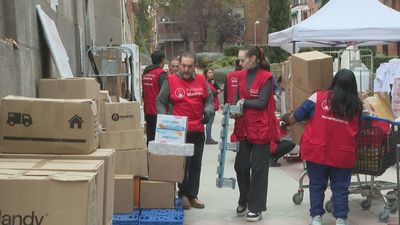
<point x="209" y="127"/>
<point x="191" y="181"/>
<point x="339" y="182"/>
<point x="252" y="166"/>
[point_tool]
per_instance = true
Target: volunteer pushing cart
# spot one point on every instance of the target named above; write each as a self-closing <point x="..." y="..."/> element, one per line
<point x="328" y="143"/>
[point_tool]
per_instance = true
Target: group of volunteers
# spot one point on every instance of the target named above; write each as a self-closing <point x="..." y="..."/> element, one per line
<point x="327" y="145"/>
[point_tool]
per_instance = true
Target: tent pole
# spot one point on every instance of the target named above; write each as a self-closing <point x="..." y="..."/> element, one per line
<point x="294" y="48"/>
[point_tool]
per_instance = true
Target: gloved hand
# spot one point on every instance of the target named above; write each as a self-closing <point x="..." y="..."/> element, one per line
<point x="206" y="117"/>
<point x="285" y="120"/>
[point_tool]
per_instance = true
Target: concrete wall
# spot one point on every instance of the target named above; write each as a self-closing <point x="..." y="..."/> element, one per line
<point x="31" y="60"/>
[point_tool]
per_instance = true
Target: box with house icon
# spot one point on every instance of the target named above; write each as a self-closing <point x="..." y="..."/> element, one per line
<point x="31" y="125"/>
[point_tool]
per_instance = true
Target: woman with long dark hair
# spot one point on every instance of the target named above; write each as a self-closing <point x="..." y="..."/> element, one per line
<point x="256" y="128"/>
<point x="328" y="143"/>
<point x="215" y="89"/>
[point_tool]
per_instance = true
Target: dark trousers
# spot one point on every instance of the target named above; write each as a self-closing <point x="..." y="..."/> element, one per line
<point x="252" y="166"/>
<point x="191" y="181"/>
<point x="151" y="121"/>
<point x="283" y="148"/>
<point x="209" y="127"/>
<point x="339" y="182"/>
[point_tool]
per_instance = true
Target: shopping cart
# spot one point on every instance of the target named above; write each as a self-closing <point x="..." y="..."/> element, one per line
<point x="376" y="150"/>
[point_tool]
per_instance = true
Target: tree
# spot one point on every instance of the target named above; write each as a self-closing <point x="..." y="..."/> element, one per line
<point x="227" y="29"/>
<point x="279" y="19"/>
<point x="143" y="26"/>
<point x="324" y="2"/>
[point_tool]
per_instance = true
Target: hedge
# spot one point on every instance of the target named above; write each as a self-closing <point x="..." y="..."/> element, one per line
<point x="203" y="59"/>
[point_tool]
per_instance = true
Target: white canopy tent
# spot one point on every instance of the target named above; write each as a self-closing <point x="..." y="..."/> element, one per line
<point x="340" y="22"/>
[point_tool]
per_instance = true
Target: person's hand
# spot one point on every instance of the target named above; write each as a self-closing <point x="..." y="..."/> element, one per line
<point x="285" y="120"/>
<point x="206" y="117"/>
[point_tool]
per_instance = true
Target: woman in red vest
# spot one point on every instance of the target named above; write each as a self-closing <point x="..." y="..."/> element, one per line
<point x="215" y="89"/>
<point x="328" y="143"/>
<point x="256" y="129"/>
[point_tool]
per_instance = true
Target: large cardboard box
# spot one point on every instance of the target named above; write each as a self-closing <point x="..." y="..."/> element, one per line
<point x="157" y="194"/>
<point x="124" y="139"/>
<point x="31" y="125"/>
<point x="93" y="166"/>
<point x="132" y="162"/>
<point x="124" y="193"/>
<point x="166" y="167"/>
<point x="298" y="96"/>
<point x="312" y="71"/>
<point x="48" y="198"/>
<point x="122" y="116"/>
<point x="69" y="88"/>
<point x="297" y="130"/>
<point x="109" y="158"/>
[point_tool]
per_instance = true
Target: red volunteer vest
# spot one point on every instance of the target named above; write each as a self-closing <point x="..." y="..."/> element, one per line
<point x="187" y="97"/>
<point x="151" y="90"/>
<point x="231" y="85"/>
<point x="215" y="98"/>
<point x="260" y="125"/>
<point x="328" y="140"/>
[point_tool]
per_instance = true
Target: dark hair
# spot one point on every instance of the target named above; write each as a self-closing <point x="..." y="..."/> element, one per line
<point x="173" y="59"/>
<point x="259" y="53"/>
<point x="237" y="65"/>
<point x="343" y="97"/>
<point x="157" y="57"/>
<point x="206" y="71"/>
<point x="187" y="54"/>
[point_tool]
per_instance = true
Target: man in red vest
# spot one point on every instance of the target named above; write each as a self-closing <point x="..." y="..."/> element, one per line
<point x="152" y="79"/>
<point x="187" y="94"/>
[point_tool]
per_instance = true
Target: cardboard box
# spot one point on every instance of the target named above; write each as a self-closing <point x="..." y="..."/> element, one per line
<point x="297" y="130"/>
<point x="122" y="116"/>
<point x="102" y="99"/>
<point x="125" y="139"/>
<point x="156" y="194"/>
<point x="109" y="158"/>
<point x="69" y="88"/>
<point x="312" y="71"/>
<point x="288" y="99"/>
<point x="298" y="96"/>
<point x="136" y="192"/>
<point x="92" y="166"/>
<point x="170" y="136"/>
<point x="166" y="167"/>
<point x="124" y="194"/>
<point x="132" y="162"/>
<point x="171" y="122"/>
<point x="47" y="198"/>
<point x="31" y="125"/>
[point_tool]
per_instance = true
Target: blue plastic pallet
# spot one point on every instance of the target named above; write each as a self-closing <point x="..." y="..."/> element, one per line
<point x="161" y="217"/>
<point x="178" y="203"/>
<point x="127" y="219"/>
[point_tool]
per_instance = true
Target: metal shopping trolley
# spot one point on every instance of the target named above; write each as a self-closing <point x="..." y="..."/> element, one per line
<point x="376" y="150"/>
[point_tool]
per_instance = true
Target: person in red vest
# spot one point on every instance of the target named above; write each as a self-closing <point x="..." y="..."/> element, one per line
<point x="215" y="89"/>
<point x="328" y="143"/>
<point x="257" y="129"/>
<point x="152" y="79"/>
<point x="187" y="94"/>
<point x="231" y="83"/>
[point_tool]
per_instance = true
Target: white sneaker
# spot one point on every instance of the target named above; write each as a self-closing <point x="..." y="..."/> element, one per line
<point x="253" y="216"/>
<point x="316" y="220"/>
<point x="341" y="221"/>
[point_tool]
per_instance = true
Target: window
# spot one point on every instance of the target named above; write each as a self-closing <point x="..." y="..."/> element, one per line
<point x="385" y="50"/>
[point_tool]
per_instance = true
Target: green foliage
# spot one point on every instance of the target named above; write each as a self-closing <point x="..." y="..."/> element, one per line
<point x="220" y="73"/>
<point x="223" y="62"/>
<point x="279" y="15"/>
<point x="143" y="26"/>
<point x="275" y="54"/>
<point x="324" y="2"/>
<point x="204" y="59"/>
<point x="231" y="50"/>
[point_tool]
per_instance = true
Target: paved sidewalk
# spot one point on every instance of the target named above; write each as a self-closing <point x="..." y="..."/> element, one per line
<point x="283" y="183"/>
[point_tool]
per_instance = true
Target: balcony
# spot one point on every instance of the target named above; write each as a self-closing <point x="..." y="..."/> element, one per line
<point x="167" y="37"/>
<point x="299" y="3"/>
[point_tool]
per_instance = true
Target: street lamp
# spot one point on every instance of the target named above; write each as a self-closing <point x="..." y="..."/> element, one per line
<point x="255" y="31"/>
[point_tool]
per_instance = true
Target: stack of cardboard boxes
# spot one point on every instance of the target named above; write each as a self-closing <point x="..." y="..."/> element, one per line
<point x="303" y="74"/>
<point x="51" y="170"/>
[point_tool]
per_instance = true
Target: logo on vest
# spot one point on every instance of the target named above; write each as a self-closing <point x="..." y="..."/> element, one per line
<point x="191" y="92"/>
<point x="234" y="80"/>
<point x="253" y="92"/>
<point x="179" y="93"/>
<point x="325" y="105"/>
